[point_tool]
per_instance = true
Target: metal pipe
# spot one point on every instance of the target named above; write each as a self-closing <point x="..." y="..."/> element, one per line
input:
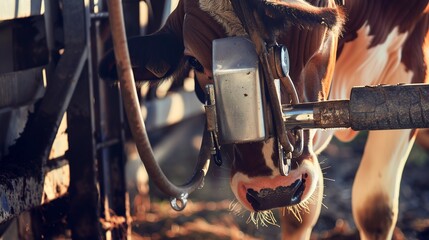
<point x="369" y="108"/>
<point x="136" y="123"/>
<point x="298" y="116"/>
<point x="99" y="16"/>
<point x="328" y="114"/>
<point x="390" y="107"/>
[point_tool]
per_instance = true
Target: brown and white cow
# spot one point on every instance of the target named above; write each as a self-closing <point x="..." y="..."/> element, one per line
<point x="381" y="42"/>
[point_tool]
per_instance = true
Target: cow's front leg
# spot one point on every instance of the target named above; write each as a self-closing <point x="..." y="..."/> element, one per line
<point x="376" y="187"/>
<point x="292" y="227"/>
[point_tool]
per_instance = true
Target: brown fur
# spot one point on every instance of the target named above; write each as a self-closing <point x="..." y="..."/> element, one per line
<point x="223" y="13"/>
<point x="377" y="217"/>
<point x="248" y="158"/>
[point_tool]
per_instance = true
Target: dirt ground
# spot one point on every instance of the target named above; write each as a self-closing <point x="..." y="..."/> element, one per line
<point x="208" y="215"/>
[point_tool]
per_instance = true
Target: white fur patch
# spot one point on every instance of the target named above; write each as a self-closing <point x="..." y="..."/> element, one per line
<point x="267" y="151"/>
<point x="360" y="65"/>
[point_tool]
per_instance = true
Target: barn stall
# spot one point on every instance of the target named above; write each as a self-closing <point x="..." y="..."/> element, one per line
<point x="64" y="148"/>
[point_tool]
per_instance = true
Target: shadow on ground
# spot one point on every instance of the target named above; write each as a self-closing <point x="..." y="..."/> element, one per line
<point x="207" y="215"/>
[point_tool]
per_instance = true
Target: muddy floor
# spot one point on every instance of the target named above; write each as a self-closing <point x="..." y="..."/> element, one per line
<point x="208" y="215"/>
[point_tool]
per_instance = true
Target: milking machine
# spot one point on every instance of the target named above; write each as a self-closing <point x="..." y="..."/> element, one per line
<point x="242" y="113"/>
<point x="241" y="109"/>
<point x="244" y="103"/>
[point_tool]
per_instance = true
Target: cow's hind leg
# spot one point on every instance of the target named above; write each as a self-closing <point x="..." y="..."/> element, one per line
<point x="376" y="187"/>
<point x="299" y="228"/>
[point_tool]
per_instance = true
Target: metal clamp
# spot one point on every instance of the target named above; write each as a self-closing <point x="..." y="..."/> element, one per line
<point x="281" y="60"/>
<point x="211" y="124"/>
<point x="285" y="161"/>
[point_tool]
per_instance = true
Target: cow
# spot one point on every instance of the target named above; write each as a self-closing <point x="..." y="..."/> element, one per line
<point x="333" y="46"/>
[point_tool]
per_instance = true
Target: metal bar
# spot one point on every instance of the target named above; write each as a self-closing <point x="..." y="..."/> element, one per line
<point x="99" y="16"/>
<point x="20" y="88"/>
<point x="70" y="64"/>
<point x="21" y="176"/>
<point x="299" y="116"/>
<point x="108" y="143"/>
<point x="328" y="114"/>
<point x="83" y="190"/>
<point x="131" y="9"/>
<point x="369" y="108"/>
<point x="56" y="163"/>
<point x="84" y="198"/>
<point x="390" y="107"/>
<point x="110" y="149"/>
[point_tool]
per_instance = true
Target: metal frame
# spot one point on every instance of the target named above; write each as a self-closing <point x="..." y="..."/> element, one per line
<point x="70" y="87"/>
<point x="97" y="202"/>
<point x="114" y="207"/>
<point x="22" y="168"/>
